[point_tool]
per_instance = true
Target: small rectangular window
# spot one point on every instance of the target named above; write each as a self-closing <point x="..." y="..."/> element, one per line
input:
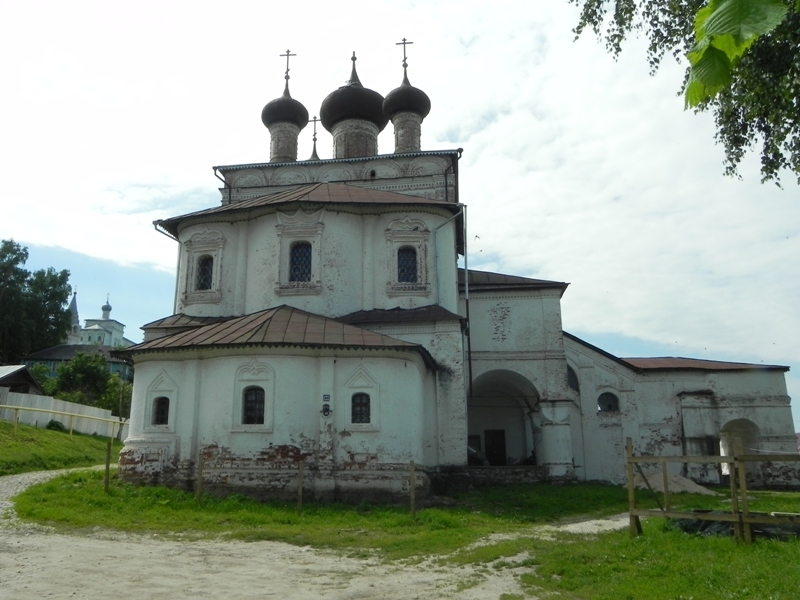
<point x="407" y="265"/>
<point x="161" y="411"/>
<point x="253" y="409"/>
<point x="360" y="408"/>
<point x="205" y="273"/>
<point x="300" y="262"/>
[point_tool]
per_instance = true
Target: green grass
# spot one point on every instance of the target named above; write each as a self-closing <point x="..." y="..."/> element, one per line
<point x="34" y="449"/>
<point x="662" y="564"/>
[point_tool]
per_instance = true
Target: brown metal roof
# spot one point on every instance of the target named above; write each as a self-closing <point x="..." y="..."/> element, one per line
<point x="324" y="193"/>
<point x="401" y="315"/>
<point x="485" y="281"/>
<point x="182" y="321"/>
<point x="671" y="363"/>
<point x="283" y="325"/>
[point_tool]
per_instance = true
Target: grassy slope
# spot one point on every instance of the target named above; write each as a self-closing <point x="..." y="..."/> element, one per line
<point x="34" y="449"/>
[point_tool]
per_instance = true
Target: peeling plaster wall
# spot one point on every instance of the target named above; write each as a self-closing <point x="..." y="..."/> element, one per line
<point x="343" y="459"/>
<point x="353" y="263"/>
<point x="672" y="413"/>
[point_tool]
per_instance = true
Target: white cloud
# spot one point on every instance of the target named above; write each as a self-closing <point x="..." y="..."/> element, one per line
<point x="575" y="167"/>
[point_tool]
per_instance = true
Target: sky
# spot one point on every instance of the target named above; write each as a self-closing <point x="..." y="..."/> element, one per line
<point x="576" y="167"/>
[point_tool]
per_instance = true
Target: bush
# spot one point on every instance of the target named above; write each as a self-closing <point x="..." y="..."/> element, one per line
<point x="56" y="425"/>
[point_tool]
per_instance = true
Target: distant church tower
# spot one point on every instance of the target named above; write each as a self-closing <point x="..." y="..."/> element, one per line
<point x="74" y="335"/>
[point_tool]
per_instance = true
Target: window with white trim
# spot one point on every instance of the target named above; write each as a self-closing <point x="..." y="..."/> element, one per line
<point x="407" y="241"/>
<point x="299" y="270"/>
<point x="202" y="258"/>
<point x="253" y="395"/>
<point x="364" y="393"/>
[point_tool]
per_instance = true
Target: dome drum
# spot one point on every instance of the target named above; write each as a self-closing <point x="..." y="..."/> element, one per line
<point x="283" y="142"/>
<point x="354" y="138"/>
<point x="407" y="131"/>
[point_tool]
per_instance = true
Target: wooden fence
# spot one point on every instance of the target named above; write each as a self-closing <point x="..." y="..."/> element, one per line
<point x="740" y="514"/>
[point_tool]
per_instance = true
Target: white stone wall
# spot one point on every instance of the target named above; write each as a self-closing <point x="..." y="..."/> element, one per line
<point x="353" y="258"/>
<point x="205" y="393"/>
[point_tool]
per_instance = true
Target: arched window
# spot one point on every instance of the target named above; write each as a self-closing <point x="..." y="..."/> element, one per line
<point x="253" y="406"/>
<point x="607" y="402"/>
<point x="161" y="411"/>
<point x="407" y="265"/>
<point x="205" y="273"/>
<point x="300" y="262"/>
<point x="360" y="408"/>
<point x="572" y="379"/>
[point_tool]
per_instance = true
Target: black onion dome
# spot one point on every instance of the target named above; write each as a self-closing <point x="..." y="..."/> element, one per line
<point x="352" y="101"/>
<point x="406" y="98"/>
<point x="285" y="110"/>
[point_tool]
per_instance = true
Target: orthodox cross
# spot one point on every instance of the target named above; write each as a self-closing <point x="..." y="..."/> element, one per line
<point x="287" y="55"/>
<point x="404" y="43"/>
<point x="314" y="120"/>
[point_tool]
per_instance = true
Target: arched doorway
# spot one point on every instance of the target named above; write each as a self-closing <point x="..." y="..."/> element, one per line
<point x="499" y="419"/>
<point x="750" y="436"/>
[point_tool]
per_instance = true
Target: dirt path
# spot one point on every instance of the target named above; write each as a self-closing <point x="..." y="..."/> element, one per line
<point x="36" y="562"/>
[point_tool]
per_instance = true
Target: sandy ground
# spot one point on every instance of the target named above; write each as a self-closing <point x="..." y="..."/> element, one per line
<point x="36" y="562"/>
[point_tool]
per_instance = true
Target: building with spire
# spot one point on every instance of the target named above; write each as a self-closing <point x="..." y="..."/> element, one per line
<point x="100" y="336"/>
<point x="321" y="320"/>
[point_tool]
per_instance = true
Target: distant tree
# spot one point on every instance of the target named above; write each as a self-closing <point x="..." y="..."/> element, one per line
<point x="117" y="397"/>
<point x="33" y="306"/>
<point x="743" y="65"/>
<point x="48" y="384"/>
<point x="84" y="379"/>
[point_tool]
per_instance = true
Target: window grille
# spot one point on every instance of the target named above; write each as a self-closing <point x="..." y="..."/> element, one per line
<point x="205" y="273"/>
<point x="161" y="410"/>
<point x="360" y="408"/>
<point x="253" y="413"/>
<point x="300" y="262"/>
<point x="607" y="402"/>
<point x="407" y="265"/>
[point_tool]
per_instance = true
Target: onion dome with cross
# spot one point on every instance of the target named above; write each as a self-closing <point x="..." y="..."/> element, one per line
<point x="353" y="101"/>
<point x="406" y="106"/>
<point x="284" y="117"/>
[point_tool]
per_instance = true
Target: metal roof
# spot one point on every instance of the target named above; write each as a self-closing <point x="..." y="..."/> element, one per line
<point x="401" y="315"/>
<point x="325" y="161"/>
<point x="486" y="281"/>
<point x="677" y="363"/>
<point x="281" y="326"/>
<point x="322" y="193"/>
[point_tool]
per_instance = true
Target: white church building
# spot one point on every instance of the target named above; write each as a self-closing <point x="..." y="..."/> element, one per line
<point x="321" y="320"/>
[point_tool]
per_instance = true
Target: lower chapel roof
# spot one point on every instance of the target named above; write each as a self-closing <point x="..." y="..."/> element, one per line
<point x="281" y="326"/>
<point x="488" y="281"/>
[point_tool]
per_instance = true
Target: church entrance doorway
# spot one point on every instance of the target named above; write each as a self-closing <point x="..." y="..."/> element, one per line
<point x="495" y="446"/>
<point x="499" y="418"/>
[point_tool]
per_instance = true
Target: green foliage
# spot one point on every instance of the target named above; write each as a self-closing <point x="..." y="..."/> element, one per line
<point x="34" y="449"/>
<point x="117" y="396"/>
<point x="725" y="29"/>
<point x="33" y="312"/>
<point x="47" y="383"/>
<point x="84" y="379"/>
<point x="744" y="66"/>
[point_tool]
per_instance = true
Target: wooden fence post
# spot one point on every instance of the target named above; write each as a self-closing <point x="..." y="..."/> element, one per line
<point x="16" y="421"/>
<point x="412" y="491"/>
<point x="747" y="528"/>
<point x="300" y="482"/>
<point x="108" y="466"/>
<point x="635" y="524"/>
<point x="665" y="478"/>
<point x="199" y="482"/>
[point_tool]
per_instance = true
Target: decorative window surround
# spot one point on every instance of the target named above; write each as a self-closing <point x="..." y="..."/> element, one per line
<point x="162" y="387"/>
<point x="360" y="382"/>
<point x="254" y="374"/>
<point x="207" y="243"/>
<point x="299" y="227"/>
<point x="408" y="233"/>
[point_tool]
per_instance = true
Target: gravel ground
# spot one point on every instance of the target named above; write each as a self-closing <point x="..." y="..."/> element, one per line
<point x="37" y="562"/>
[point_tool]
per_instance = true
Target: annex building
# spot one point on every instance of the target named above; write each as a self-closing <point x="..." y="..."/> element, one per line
<point x="321" y="319"/>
